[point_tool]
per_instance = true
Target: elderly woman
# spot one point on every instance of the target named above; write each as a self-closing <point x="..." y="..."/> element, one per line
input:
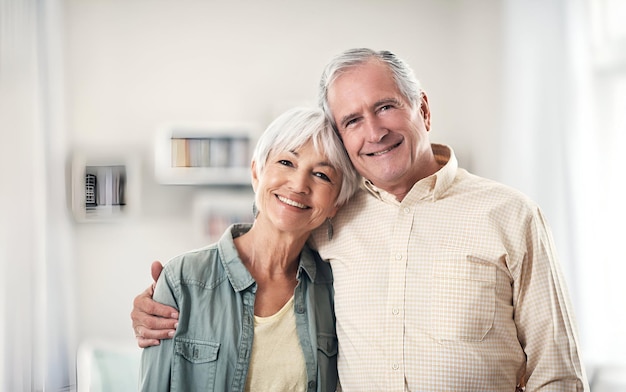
<point x="256" y="308"/>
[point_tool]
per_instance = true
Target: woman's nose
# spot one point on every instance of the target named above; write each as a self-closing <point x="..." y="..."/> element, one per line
<point x="299" y="182"/>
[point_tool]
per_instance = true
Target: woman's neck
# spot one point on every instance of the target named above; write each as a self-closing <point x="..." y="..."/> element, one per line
<point x="270" y="252"/>
<point x="272" y="259"/>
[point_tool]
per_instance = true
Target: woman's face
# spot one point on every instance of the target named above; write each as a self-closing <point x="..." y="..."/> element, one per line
<point x="297" y="190"/>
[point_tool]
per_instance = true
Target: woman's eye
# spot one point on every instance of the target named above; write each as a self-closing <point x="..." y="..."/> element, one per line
<point x="285" y="162"/>
<point x="322" y="176"/>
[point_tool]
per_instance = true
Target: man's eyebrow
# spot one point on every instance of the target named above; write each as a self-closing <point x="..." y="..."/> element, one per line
<point x="386" y="101"/>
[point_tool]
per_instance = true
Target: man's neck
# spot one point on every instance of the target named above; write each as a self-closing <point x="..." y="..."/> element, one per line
<point x="401" y="189"/>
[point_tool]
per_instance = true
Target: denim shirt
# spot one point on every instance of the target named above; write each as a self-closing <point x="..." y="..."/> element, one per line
<point x="214" y="294"/>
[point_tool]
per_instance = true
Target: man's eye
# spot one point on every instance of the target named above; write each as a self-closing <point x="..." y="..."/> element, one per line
<point x="350" y="122"/>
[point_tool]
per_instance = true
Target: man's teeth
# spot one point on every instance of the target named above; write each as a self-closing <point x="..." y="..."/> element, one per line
<point x="373" y="154"/>
<point x="291" y="202"/>
<point x="381" y="152"/>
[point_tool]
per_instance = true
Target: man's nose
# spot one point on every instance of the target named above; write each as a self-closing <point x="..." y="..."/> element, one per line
<point x="375" y="130"/>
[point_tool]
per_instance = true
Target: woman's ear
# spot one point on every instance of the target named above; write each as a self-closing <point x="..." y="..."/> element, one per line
<point x="254" y="175"/>
<point x="333" y="212"/>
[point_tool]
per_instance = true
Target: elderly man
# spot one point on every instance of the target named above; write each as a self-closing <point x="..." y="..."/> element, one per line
<point x="444" y="281"/>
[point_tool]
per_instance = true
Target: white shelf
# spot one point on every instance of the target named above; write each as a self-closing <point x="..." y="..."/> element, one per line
<point x="209" y="154"/>
<point x="113" y="189"/>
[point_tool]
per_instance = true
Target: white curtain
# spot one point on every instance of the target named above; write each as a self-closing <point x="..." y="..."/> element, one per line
<point x="563" y="129"/>
<point x="36" y="278"/>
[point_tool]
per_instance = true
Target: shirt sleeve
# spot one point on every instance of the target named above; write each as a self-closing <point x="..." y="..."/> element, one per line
<point x="156" y="361"/>
<point x="545" y="324"/>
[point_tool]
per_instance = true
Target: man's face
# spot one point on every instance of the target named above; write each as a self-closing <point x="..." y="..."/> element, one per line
<point x="384" y="136"/>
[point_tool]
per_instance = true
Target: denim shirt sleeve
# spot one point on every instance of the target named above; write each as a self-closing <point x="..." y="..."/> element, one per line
<point x="156" y="361"/>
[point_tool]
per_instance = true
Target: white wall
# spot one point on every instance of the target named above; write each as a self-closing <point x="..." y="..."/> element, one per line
<point x="132" y="65"/>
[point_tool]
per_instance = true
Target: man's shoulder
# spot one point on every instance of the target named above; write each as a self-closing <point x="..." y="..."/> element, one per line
<point x="487" y="185"/>
<point x="493" y="195"/>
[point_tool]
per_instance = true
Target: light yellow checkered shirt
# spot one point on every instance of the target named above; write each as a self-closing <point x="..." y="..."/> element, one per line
<point x="449" y="290"/>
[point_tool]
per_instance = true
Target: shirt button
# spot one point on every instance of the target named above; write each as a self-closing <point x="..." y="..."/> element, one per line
<point x="395" y="366"/>
<point x="398" y="256"/>
<point x="312" y="385"/>
<point x="395" y="311"/>
<point x="407" y="210"/>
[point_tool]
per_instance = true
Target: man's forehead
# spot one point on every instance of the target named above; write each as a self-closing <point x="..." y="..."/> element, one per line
<point x="371" y="77"/>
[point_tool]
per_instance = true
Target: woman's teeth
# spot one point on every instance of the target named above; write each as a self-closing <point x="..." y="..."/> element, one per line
<point x="291" y="202"/>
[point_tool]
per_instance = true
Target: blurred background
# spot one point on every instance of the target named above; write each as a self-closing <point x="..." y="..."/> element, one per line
<point x="528" y="92"/>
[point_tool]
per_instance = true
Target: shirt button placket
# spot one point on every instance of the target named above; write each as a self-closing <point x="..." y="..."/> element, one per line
<point x="397" y="280"/>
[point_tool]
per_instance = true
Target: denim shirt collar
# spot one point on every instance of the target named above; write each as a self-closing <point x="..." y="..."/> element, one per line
<point x="237" y="272"/>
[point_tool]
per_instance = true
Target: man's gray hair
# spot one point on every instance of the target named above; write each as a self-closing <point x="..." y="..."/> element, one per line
<point x="403" y="75"/>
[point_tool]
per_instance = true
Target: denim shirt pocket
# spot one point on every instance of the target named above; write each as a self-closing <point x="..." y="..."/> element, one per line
<point x="327" y="344"/>
<point x="327" y="349"/>
<point x="195" y="363"/>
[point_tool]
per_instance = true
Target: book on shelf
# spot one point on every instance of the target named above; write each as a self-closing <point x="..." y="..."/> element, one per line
<point x="180" y="153"/>
<point x="90" y="190"/>
<point x="105" y="186"/>
<point x="239" y="152"/>
<point x="210" y="152"/>
<point x="218" y="152"/>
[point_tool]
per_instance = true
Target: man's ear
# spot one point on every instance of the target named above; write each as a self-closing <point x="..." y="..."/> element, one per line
<point x="255" y="177"/>
<point x="425" y="110"/>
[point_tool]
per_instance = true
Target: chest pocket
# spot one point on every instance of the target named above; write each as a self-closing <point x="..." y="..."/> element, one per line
<point x="327" y="344"/>
<point x="462" y="298"/>
<point x="327" y="360"/>
<point x="195" y="363"/>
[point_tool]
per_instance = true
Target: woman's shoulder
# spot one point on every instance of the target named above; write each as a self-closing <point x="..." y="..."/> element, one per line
<point x="198" y="265"/>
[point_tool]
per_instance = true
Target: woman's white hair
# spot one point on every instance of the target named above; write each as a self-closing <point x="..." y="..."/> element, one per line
<point x="296" y="127"/>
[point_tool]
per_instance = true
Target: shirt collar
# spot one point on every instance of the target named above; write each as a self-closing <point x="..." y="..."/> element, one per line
<point x="237" y="272"/>
<point x="307" y="263"/>
<point x="431" y="187"/>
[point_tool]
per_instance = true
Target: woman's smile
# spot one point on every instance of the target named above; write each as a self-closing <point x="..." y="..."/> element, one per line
<point x="292" y="202"/>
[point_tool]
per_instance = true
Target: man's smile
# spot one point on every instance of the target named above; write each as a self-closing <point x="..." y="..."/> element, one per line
<point x="377" y="153"/>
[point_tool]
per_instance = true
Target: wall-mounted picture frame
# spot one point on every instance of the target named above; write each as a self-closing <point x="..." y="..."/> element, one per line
<point x="105" y="185"/>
